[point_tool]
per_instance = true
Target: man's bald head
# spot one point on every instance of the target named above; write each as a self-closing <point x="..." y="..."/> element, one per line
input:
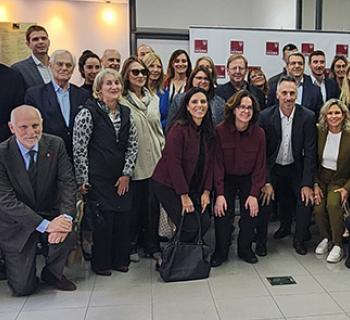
<point x="111" y="59"/>
<point x="24" y="110"/>
<point x="27" y="125"/>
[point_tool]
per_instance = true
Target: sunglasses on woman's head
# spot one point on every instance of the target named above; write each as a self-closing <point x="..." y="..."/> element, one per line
<point x="136" y="72"/>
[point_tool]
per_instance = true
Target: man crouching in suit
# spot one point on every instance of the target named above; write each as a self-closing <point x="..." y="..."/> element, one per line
<point x="37" y="203"/>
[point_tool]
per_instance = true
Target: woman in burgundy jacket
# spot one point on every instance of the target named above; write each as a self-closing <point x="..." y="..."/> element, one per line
<point x="183" y="177"/>
<point x="239" y="169"/>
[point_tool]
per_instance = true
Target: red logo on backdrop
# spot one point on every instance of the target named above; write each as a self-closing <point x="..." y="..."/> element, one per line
<point x="253" y="68"/>
<point x="237" y="46"/>
<point x="307" y="48"/>
<point x="272" y="48"/>
<point x="342" y="50"/>
<point x="201" y="46"/>
<point x="220" y="71"/>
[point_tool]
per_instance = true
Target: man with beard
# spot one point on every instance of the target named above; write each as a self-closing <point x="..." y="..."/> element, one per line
<point x="329" y="87"/>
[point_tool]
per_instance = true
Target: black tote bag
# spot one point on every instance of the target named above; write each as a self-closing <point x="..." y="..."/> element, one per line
<point x="183" y="261"/>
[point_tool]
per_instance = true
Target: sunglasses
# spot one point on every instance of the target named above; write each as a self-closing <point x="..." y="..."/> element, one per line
<point x="136" y="72"/>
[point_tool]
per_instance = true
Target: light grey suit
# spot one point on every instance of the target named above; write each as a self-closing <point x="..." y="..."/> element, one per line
<point x="21" y="212"/>
<point x="29" y="71"/>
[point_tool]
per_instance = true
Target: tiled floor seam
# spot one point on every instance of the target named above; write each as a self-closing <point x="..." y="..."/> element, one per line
<point x="270" y="293"/>
<point x="90" y="296"/>
<point x="325" y="290"/>
<point x="214" y="301"/>
<point x="21" y="309"/>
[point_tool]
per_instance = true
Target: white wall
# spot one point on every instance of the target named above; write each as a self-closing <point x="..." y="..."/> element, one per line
<point x="75" y="26"/>
<point x="336" y="15"/>
<point x="236" y="13"/>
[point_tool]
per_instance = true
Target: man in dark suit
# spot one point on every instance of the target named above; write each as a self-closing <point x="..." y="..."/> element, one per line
<point x="286" y="51"/>
<point x="329" y="87"/>
<point x="34" y="69"/>
<point x="291" y="160"/>
<point x="11" y="96"/>
<point x="58" y="101"/>
<point x="309" y="95"/>
<point x="237" y="68"/>
<point x="37" y="203"/>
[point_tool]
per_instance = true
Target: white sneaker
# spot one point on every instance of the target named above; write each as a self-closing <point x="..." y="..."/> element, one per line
<point x="335" y="255"/>
<point x="322" y="247"/>
<point x="134" y="257"/>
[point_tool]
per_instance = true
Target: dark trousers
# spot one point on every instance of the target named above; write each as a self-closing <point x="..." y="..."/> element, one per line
<point x="263" y="222"/>
<point x="21" y="266"/>
<point x="223" y="225"/>
<point x="171" y="202"/>
<point x="287" y="186"/>
<point x="144" y="218"/>
<point x="139" y="213"/>
<point x="111" y="244"/>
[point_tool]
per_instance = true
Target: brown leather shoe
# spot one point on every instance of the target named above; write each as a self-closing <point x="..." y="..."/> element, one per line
<point x="62" y="284"/>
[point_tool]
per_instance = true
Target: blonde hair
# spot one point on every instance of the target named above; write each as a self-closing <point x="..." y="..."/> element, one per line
<point x="324" y="110"/>
<point x="96" y="87"/>
<point x="148" y="60"/>
<point x="345" y="88"/>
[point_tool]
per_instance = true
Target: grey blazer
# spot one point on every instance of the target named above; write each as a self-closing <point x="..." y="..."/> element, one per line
<point x="20" y="211"/>
<point x="29" y="71"/>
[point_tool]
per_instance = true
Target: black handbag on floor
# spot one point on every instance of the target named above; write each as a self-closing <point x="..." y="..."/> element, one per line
<point x="182" y="261"/>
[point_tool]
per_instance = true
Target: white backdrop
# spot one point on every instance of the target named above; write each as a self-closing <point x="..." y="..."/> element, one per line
<point x="216" y="41"/>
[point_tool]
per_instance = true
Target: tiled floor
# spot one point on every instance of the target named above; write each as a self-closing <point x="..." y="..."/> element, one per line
<point x="236" y="290"/>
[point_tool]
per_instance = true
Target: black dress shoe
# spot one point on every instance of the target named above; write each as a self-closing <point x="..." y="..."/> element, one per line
<point x="121" y="268"/>
<point x="216" y="261"/>
<point x="62" y="284"/>
<point x="261" y="250"/>
<point x="281" y="233"/>
<point x="105" y="273"/>
<point x="248" y="257"/>
<point x="299" y="248"/>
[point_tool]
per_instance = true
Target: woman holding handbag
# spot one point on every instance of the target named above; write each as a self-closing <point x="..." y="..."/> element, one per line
<point x="105" y="150"/>
<point x="182" y="180"/>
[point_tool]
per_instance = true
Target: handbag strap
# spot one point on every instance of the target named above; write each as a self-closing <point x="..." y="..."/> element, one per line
<point x="179" y="229"/>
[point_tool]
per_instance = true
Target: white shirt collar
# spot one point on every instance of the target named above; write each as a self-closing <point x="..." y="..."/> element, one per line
<point x="315" y="81"/>
<point x="284" y="116"/>
<point x="37" y="61"/>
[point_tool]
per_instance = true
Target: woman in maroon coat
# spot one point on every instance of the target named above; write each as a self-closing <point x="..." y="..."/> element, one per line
<point x="239" y="169"/>
<point x="183" y="177"/>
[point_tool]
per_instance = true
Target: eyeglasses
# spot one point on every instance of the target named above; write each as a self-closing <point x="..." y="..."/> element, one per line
<point x="245" y="108"/>
<point x="137" y="72"/>
<point x="61" y="64"/>
<point x="199" y="78"/>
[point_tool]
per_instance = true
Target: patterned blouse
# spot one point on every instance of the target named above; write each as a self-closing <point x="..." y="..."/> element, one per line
<point x="83" y="128"/>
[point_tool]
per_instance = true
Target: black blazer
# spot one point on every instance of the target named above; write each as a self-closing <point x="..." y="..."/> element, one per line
<point x="20" y="211"/>
<point x="45" y="99"/>
<point x="227" y="90"/>
<point x="303" y="141"/>
<point x="11" y="96"/>
<point x="332" y="89"/>
<point x="312" y="97"/>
